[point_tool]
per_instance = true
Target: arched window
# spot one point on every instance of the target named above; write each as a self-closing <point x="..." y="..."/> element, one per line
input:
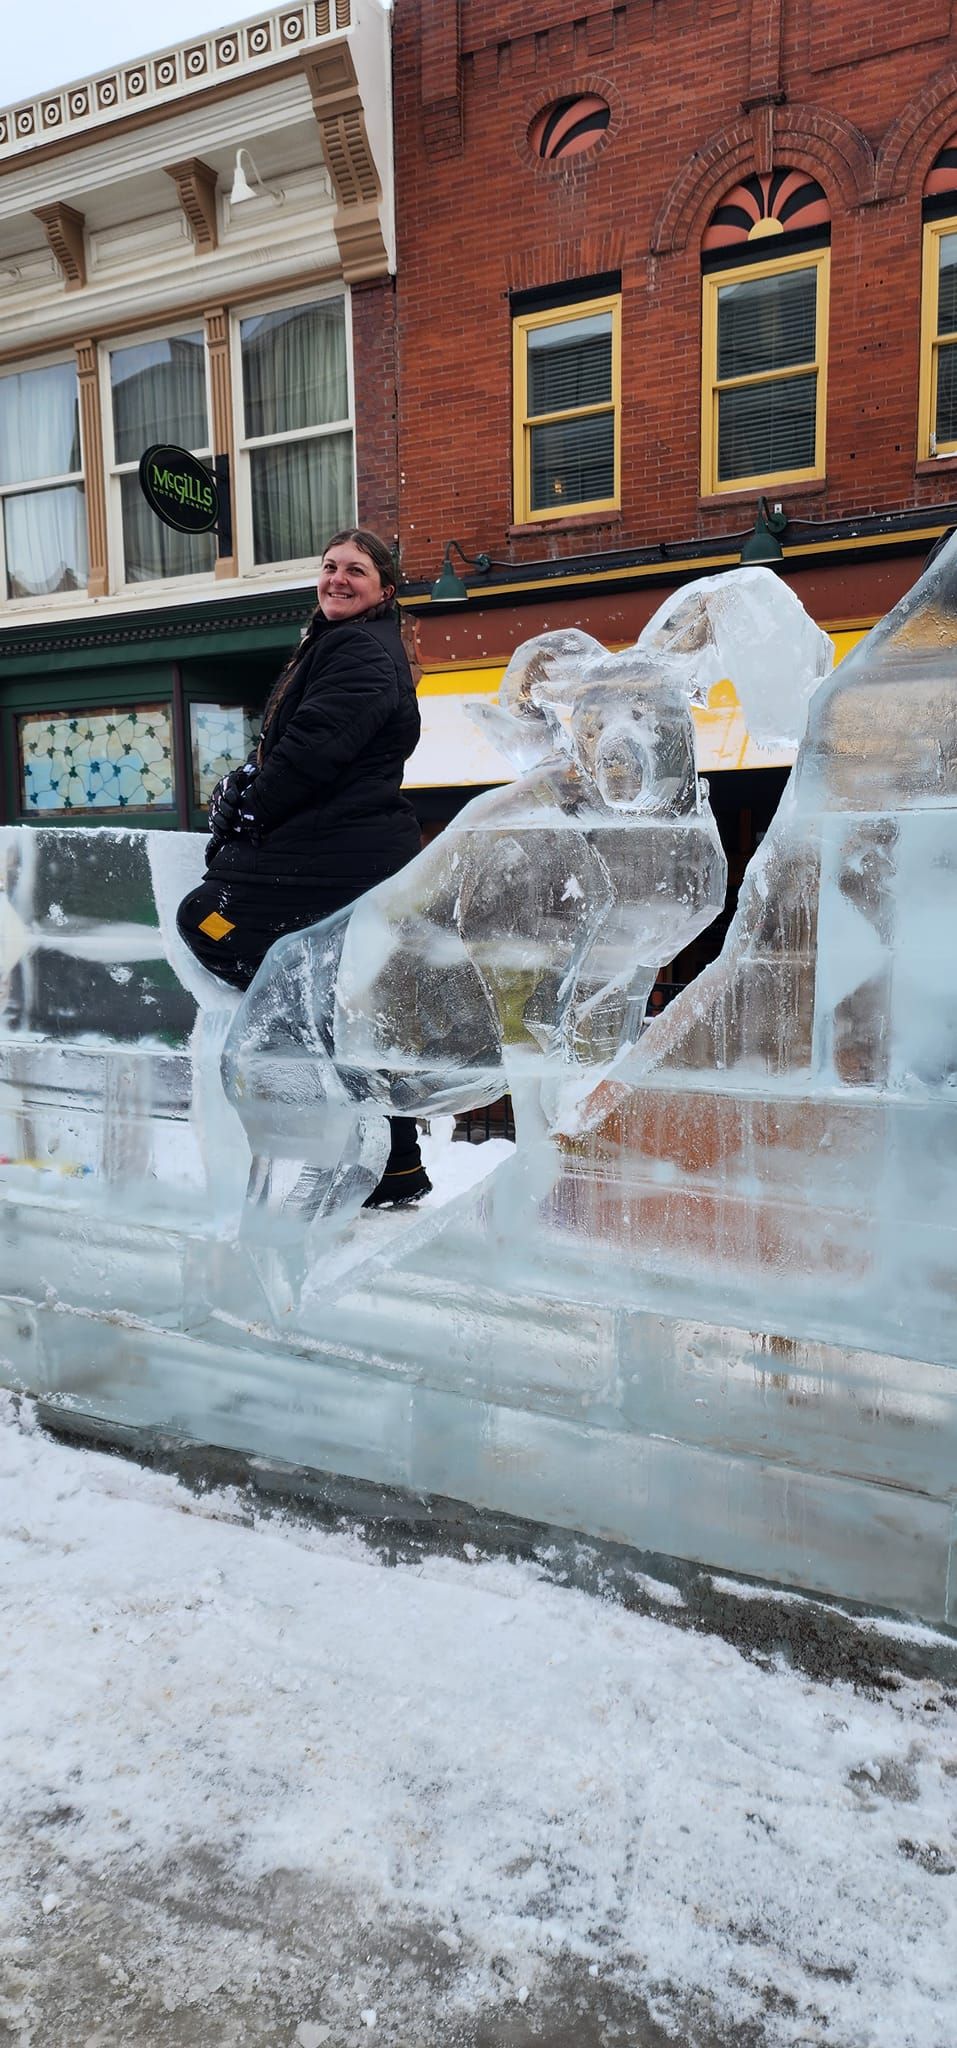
<point x="765" y="274"/>
<point x="937" y="407"/>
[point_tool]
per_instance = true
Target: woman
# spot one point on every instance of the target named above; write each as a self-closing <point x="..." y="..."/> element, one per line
<point x="316" y="816"/>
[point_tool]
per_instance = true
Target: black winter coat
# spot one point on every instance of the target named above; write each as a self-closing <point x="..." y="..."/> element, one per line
<point x="327" y="798"/>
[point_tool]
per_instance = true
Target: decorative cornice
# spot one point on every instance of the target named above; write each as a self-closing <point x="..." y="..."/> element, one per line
<point x="345" y="145"/>
<point x="63" y="228"/>
<point x="74" y="636"/>
<point x="195" y="186"/>
<point x="801" y="138"/>
<point x="77" y="112"/>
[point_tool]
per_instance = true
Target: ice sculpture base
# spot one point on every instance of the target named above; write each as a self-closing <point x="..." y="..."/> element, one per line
<point x="676" y="1438"/>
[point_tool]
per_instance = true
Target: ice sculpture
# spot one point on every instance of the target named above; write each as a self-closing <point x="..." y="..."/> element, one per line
<point x="708" y="1308"/>
<point x="517" y="952"/>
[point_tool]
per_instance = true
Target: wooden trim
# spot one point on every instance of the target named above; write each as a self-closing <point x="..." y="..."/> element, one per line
<point x="182" y="752"/>
<point x="712" y="282"/>
<point x="195" y="186"/>
<point x="91" y="429"/>
<point x="337" y="104"/>
<point x="930" y="339"/>
<point x="523" y="512"/>
<point x="216" y="322"/>
<point x="63" y="228"/>
<point x="185" y="309"/>
<point x="229" y="86"/>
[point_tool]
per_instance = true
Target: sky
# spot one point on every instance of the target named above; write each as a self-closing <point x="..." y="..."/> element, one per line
<point x="50" y="42"/>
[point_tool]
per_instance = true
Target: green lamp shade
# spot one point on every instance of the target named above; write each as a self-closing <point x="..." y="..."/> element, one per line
<point x="448" y="587"/>
<point x="763" y="545"/>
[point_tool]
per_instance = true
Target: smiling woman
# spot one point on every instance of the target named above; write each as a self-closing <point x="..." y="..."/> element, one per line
<point x="316" y="815"/>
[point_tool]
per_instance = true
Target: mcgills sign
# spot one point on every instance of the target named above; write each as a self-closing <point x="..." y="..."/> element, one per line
<point x="179" y="489"/>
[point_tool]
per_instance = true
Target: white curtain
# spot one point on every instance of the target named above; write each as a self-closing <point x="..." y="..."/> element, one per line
<point x="294" y="376"/>
<point x="159" y="395"/>
<point x="302" y="492"/>
<point x="44" y="530"/>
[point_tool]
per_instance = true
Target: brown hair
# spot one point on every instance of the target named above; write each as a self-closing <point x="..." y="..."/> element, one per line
<point x="382" y="558"/>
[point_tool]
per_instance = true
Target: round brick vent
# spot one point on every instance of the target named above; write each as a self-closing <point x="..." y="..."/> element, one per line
<point x="569" y="127"/>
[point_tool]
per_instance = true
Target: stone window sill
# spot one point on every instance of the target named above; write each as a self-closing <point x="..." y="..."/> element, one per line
<point x="576" y="522"/>
<point x="773" y="494"/>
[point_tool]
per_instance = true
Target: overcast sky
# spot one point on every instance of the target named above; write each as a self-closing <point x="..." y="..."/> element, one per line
<point x="49" y="42"/>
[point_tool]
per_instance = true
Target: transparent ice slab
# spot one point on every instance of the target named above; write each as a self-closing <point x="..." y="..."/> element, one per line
<point x="708" y="1305"/>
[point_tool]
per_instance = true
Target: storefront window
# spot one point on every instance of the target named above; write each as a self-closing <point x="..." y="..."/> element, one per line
<point x="113" y="760"/>
<point x="221" y="737"/>
<point x="297" y="431"/>
<point x="42" y="504"/>
<point x="158" y="395"/>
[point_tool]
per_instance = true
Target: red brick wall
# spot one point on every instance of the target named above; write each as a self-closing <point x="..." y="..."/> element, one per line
<point x="373" y="344"/>
<point x="702" y="93"/>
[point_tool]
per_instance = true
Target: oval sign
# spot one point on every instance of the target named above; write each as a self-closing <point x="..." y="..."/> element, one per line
<point x="179" y="489"/>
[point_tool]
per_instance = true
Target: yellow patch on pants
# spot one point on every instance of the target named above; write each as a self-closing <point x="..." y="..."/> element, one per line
<point x="215" y="926"/>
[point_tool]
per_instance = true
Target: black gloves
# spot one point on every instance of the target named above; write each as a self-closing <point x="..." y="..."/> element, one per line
<point x="232" y="811"/>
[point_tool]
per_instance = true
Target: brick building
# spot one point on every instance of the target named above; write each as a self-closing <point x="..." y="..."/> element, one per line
<point x="662" y="264"/>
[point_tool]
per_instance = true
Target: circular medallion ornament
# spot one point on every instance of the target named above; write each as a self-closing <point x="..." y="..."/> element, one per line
<point x="179" y="489"/>
<point x="568" y="127"/>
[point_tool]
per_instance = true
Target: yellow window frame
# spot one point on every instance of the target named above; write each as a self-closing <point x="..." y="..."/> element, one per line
<point x="930" y="341"/>
<point x="524" y="421"/>
<point x="712" y="387"/>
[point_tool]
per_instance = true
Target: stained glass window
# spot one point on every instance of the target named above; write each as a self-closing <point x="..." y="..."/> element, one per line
<point x="221" y="736"/>
<point x="115" y="760"/>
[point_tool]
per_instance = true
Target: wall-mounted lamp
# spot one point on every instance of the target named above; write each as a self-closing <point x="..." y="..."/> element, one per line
<point x="763" y="545"/>
<point x="449" y="587"/>
<point x="241" y="187"/>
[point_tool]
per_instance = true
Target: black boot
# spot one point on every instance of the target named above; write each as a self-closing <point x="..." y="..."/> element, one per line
<point x="405" y="1179"/>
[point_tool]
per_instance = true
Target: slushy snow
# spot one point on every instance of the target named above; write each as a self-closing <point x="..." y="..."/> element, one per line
<point x="200" y="1704"/>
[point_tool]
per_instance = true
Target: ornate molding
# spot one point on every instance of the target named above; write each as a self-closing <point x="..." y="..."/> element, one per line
<point x="91" y="425"/>
<point x="195" y="186"/>
<point x="63" y="228"/>
<point x="912" y="141"/>
<point x="90" y="105"/>
<point x="805" y="138"/>
<point x="220" y="383"/>
<point x="350" y="163"/>
<point x="19" y="642"/>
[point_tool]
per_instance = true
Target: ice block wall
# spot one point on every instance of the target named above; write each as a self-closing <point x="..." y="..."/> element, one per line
<point x="708" y="1307"/>
<point x="782" y="1143"/>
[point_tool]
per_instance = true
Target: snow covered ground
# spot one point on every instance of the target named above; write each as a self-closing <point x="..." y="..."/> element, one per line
<point x="257" y="1787"/>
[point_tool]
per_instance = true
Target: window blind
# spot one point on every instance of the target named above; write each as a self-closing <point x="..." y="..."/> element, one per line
<point x="767" y="323"/>
<point x="763" y="428"/>
<point x="947" y="289"/>
<point x="573" y="462"/>
<point x="945" y="418"/>
<point x="569" y="365"/>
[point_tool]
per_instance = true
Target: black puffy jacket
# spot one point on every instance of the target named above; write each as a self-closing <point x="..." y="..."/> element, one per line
<point x="327" y="798"/>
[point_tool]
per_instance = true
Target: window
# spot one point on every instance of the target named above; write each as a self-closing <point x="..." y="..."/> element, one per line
<point x="765" y="372"/>
<point x="222" y="736"/>
<point x="296" y="430"/>
<point x="938" y="367"/>
<point x="157" y="393"/>
<point x="43" y="542"/>
<point x="567" y="384"/>
<point x="113" y="760"/>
